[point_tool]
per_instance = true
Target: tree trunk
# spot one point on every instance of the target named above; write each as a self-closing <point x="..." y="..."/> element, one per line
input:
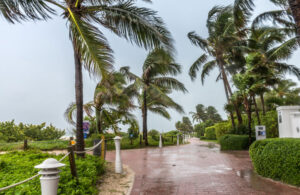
<point x="79" y="101"/>
<point x="230" y="112"/>
<point x="248" y="110"/>
<point x="263" y="103"/>
<point x="256" y="109"/>
<point x="98" y="121"/>
<point x="295" y="7"/>
<point x="226" y="83"/>
<point x="145" y="130"/>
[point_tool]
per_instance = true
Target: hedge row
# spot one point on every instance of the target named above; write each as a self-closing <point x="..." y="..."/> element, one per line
<point x="278" y="159"/>
<point x="210" y="133"/>
<point x="234" y="142"/>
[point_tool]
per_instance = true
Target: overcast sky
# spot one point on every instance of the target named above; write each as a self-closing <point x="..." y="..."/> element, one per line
<point x="37" y="69"/>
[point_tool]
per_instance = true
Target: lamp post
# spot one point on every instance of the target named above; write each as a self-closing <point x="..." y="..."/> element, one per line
<point x="50" y="176"/>
<point x="118" y="161"/>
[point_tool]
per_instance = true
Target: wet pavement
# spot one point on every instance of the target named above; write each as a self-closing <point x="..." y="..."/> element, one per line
<point x="196" y="168"/>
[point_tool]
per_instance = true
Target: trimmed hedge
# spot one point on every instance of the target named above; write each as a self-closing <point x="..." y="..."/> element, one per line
<point x="210" y="133"/>
<point x="222" y="129"/>
<point x="277" y="158"/>
<point x="234" y="142"/>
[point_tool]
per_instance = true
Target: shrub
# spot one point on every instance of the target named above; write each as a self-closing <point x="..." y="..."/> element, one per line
<point x="271" y="122"/>
<point x="277" y="159"/>
<point x="202" y="138"/>
<point x="17" y="166"/>
<point x="154" y="134"/>
<point x="11" y="132"/>
<point x="234" y="142"/>
<point x="222" y="129"/>
<point x="210" y="133"/>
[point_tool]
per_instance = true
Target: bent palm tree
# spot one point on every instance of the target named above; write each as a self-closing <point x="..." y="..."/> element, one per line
<point x="91" y="49"/>
<point x="155" y="84"/>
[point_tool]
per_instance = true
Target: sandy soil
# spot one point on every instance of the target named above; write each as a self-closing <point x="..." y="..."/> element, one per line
<point x="116" y="184"/>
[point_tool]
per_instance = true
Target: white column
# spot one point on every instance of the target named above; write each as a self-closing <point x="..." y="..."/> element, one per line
<point x="118" y="160"/>
<point x="177" y="139"/>
<point x="160" y="141"/>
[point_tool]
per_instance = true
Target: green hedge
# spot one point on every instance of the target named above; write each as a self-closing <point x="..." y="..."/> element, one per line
<point x="234" y="142"/>
<point x="222" y="129"/>
<point x="210" y="133"/>
<point x="278" y="159"/>
<point x="17" y="166"/>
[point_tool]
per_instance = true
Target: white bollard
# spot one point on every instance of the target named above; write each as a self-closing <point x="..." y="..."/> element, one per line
<point x="177" y="140"/>
<point x="160" y="141"/>
<point x="50" y="176"/>
<point x="118" y="161"/>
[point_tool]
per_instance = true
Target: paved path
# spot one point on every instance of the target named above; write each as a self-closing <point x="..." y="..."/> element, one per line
<point x="197" y="168"/>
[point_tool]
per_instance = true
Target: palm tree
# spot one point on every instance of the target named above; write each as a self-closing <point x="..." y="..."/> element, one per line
<point x="91" y="49"/>
<point x="295" y="8"/>
<point x="200" y="114"/>
<point x="113" y="101"/>
<point x="221" y="39"/>
<point x="156" y="83"/>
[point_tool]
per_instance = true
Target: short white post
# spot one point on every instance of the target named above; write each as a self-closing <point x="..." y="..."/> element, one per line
<point x="50" y="176"/>
<point x="160" y="141"/>
<point x="118" y="161"/>
<point x="177" y="139"/>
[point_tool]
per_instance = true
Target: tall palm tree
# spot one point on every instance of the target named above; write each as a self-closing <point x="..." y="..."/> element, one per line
<point x="221" y="39"/>
<point x="156" y="83"/>
<point x="91" y="49"/>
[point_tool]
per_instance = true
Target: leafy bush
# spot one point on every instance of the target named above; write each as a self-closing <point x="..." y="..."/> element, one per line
<point x="210" y="133"/>
<point x="234" y="142"/>
<point x="222" y="129"/>
<point x="200" y="128"/>
<point x="39" y="145"/>
<point x="10" y="132"/>
<point x="278" y="159"/>
<point x="154" y="134"/>
<point x="270" y="120"/>
<point x="88" y="169"/>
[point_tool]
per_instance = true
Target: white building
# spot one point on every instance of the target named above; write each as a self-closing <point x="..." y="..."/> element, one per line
<point x="289" y="121"/>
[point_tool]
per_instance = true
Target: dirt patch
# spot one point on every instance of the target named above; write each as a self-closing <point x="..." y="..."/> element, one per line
<point x="116" y="184"/>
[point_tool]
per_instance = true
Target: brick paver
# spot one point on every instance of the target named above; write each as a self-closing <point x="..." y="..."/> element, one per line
<point x="196" y="169"/>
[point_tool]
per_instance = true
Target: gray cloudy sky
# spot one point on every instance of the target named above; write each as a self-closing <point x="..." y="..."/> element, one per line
<point x="37" y="70"/>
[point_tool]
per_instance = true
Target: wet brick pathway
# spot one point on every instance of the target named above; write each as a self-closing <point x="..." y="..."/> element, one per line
<point x="196" y="168"/>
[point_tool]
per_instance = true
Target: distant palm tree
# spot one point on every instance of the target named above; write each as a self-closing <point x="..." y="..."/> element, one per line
<point x="200" y="114"/>
<point x="91" y="49"/>
<point x="155" y="84"/>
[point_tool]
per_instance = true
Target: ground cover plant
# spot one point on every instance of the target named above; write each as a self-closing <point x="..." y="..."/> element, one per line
<point x="17" y="166"/>
<point x="277" y="159"/>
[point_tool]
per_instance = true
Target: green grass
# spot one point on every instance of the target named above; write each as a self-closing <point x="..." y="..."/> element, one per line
<point x="62" y="144"/>
<point x="40" y="145"/>
<point x="18" y="165"/>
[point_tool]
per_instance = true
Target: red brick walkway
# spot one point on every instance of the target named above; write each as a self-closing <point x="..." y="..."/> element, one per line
<point x="196" y="169"/>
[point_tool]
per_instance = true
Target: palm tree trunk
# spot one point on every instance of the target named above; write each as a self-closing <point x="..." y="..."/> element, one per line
<point x="79" y="100"/>
<point x="263" y="103"/>
<point x="256" y="109"/>
<point x="295" y="7"/>
<point x="145" y="130"/>
<point x="226" y="83"/>
<point x="230" y="112"/>
<point x="248" y="110"/>
<point x="98" y="121"/>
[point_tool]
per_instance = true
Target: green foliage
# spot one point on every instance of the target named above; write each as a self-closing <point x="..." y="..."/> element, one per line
<point x="154" y="134"/>
<point x="270" y="120"/>
<point x="234" y="142"/>
<point x="89" y="169"/>
<point x="38" y="145"/>
<point x="185" y="125"/>
<point x="210" y="133"/>
<point x="222" y="129"/>
<point x="277" y="159"/>
<point x="11" y="132"/>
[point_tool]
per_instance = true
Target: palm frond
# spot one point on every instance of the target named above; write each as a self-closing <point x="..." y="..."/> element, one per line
<point x="209" y="66"/>
<point x="93" y="48"/>
<point x="161" y="111"/>
<point x="197" y="65"/>
<point x="137" y="24"/>
<point x="283" y="51"/>
<point x="198" y="41"/>
<point x="169" y="83"/>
